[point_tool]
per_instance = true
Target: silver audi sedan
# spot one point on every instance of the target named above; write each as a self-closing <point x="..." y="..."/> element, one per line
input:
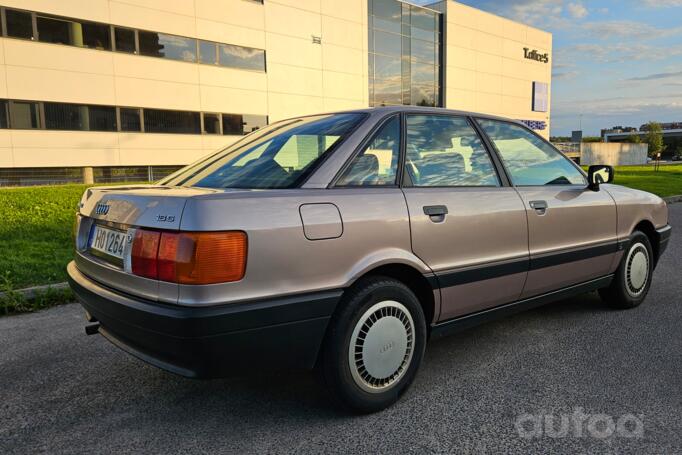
<point x="345" y="241"/>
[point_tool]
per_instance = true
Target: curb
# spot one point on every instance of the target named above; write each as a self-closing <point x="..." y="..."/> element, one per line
<point x="673" y="199"/>
<point x="31" y="292"/>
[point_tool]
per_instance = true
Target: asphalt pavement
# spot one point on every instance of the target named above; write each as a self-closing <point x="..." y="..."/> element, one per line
<point x="570" y="377"/>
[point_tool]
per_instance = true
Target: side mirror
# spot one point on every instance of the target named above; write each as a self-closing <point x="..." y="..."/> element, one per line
<point x="599" y="174"/>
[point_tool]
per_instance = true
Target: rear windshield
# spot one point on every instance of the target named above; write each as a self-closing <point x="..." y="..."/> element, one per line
<point x="278" y="156"/>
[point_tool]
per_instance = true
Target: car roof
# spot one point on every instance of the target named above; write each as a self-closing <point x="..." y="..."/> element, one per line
<point x="425" y="110"/>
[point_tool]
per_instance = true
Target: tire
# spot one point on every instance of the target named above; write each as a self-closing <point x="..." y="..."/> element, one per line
<point x="384" y="321"/>
<point x="632" y="280"/>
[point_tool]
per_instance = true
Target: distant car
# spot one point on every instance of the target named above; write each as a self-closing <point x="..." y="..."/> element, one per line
<point x="677" y="158"/>
<point x="345" y="241"/>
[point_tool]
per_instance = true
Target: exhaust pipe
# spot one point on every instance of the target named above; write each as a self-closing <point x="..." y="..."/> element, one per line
<point x="92" y="329"/>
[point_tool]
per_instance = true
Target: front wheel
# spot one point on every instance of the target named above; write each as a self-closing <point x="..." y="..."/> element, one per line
<point x="632" y="280"/>
<point x="374" y="345"/>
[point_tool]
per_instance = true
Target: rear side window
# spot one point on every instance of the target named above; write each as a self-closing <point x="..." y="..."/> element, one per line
<point x="530" y="160"/>
<point x="277" y="156"/>
<point x="377" y="164"/>
<point x="446" y="151"/>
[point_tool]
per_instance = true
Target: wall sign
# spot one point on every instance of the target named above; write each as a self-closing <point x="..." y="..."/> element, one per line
<point x="538" y="125"/>
<point x="535" y="55"/>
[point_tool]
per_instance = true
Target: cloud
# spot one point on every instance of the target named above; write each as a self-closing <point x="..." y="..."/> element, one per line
<point x="606" y="30"/>
<point x="652" y="77"/>
<point x="662" y="3"/>
<point x="614" y="53"/>
<point x="546" y="14"/>
<point x="577" y="10"/>
<point x="565" y="75"/>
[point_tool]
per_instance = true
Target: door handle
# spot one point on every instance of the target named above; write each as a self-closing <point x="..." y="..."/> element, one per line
<point x="539" y="206"/>
<point x="436" y="212"/>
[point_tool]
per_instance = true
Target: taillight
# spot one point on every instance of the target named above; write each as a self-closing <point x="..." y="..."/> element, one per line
<point x="144" y="252"/>
<point x="194" y="257"/>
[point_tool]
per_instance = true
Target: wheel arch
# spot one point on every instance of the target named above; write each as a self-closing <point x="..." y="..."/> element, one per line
<point x="428" y="296"/>
<point x="647" y="227"/>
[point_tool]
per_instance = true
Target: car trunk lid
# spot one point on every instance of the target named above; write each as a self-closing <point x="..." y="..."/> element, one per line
<point x="114" y="214"/>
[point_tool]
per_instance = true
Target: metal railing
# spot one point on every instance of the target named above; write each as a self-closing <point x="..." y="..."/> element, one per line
<point x="65" y="175"/>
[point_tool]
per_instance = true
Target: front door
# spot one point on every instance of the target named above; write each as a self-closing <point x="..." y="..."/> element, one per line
<point x="572" y="229"/>
<point x="469" y="228"/>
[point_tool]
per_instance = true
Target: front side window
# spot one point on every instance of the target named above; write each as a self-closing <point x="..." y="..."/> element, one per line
<point x="530" y="160"/>
<point x="377" y="164"/>
<point x="277" y="156"/>
<point x="446" y="151"/>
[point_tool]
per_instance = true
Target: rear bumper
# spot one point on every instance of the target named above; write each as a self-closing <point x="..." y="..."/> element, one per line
<point x="663" y="238"/>
<point x="214" y="341"/>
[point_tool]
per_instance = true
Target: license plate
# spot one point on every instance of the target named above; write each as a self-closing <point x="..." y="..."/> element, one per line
<point x="110" y="242"/>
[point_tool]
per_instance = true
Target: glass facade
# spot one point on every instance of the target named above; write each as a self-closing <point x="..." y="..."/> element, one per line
<point x="405" y="47"/>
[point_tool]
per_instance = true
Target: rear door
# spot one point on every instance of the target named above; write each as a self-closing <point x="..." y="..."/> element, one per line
<point x="467" y="225"/>
<point x="572" y="229"/>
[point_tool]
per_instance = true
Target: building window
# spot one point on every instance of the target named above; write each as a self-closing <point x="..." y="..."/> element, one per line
<point x="540" y="96"/>
<point x="174" y="47"/>
<point x="130" y="119"/>
<point x="211" y="124"/>
<point x="48" y="115"/>
<point x="3" y="114"/>
<point x="253" y="122"/>
<point x="177" y="122"/>
<point x="125" y="40"/>
<point x="101" y="118"/>
<point x="404" y="54"/>
<point x="19" y="24"/>
<point x="24" y="115"/>
<point x="208" y="52"/>
<point x="60" y="116"/>
<point x="242" y="57"/>
<point x="74" y="32"/>
<point x="235" y="124"/>
<point x="83" y="34"/>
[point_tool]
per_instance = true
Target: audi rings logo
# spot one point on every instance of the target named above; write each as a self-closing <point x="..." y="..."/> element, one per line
<point x="101" y="209"/>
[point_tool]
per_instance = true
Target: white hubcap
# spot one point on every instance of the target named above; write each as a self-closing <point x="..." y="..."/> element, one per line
<point x="637" y="269"/>
<point x="381" y="346"/>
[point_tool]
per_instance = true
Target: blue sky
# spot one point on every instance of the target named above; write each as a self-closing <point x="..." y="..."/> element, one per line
<point x="614" y="62"/>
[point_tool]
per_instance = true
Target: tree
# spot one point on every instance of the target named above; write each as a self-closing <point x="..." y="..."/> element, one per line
<point x="634" y="139"/>
<point x="654" y="137"/>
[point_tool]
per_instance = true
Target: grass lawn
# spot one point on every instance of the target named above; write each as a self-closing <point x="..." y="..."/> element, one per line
<point x="667" y="181"/>
<point x="36" y="238"/>
<point x="36" y="224"/>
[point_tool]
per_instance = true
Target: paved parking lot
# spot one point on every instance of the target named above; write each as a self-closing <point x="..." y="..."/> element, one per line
<point x="63" y="392"/>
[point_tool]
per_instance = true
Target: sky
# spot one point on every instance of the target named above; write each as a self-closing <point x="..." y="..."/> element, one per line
<point x="614" y="62"/>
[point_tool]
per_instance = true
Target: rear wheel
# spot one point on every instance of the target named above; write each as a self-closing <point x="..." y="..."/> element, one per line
<point x="632" y="281"/>
<point x="374" y="345"/>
